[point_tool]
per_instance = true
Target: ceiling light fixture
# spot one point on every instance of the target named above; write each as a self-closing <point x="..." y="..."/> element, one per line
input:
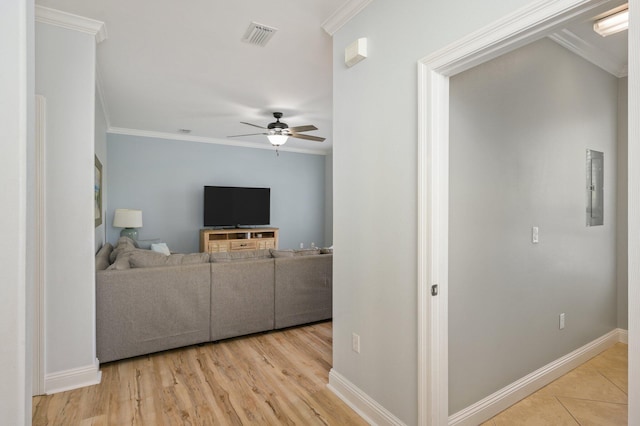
<point x="277" y="138"/>
<point x="612" y="24"/>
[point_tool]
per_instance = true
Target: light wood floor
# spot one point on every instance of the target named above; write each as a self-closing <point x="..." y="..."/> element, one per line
<point x="277" y="378"/>
<point x="593" y="394"/>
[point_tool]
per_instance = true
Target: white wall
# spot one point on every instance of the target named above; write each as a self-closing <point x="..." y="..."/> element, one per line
<point x="100" y="147"/>
<point x="65" y="75"/>
<point x="16" y="87"/>
<point x="520" y="126"/>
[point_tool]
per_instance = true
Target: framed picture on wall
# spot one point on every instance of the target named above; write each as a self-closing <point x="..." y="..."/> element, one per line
<point x="97" y="192"/>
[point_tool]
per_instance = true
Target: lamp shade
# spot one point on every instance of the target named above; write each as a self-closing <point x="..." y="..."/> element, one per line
<point x="127" y="218"/>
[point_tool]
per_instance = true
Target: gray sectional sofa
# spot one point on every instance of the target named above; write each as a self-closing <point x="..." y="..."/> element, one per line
<point x="148" y="302"/>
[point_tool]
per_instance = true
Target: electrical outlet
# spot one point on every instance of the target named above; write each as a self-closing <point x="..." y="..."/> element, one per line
<point x="355" y="343"/>
<point x="562" y="321"/>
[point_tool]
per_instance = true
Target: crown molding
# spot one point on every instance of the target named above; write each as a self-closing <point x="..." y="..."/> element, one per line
<point x="72" y="22"/>
<point x="204" y="139"/>
<point x="343" y="14"/>
<point x="588" y="51"/>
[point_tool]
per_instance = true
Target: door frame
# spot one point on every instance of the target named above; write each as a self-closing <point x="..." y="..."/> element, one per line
<point x="520" y="28"/>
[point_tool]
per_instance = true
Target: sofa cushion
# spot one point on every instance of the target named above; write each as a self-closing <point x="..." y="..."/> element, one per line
<point x="306" y="252"/>
<point x="148" y="258"/>
<point x="123" y="245"/>
<point x="292" y="253"/>
<point x="102" y="257"/>
<point x="122" y="262"/>
<point x="235" y="256"/>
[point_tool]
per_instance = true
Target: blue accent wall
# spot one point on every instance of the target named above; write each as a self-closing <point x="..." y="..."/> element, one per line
<point x="165" y="179"/>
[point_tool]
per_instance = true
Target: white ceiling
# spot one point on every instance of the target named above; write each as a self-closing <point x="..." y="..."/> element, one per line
<point x="609" y="53"/>
<point x="169" y="65"/>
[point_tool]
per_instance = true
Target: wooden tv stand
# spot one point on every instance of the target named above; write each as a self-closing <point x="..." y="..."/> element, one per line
<point x="238" y="239"/>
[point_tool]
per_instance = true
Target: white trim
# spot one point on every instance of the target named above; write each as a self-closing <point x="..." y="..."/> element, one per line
<point x="343" y="15"/>
<point x="523" y="26"/>
<point x="623" y="336"/>
<point x="203" y="139"/>
<point x="73" y="379"/>
<point x="634" y="212"/>
<point x="366" y="407"/>
<point x="499" y="401"/>
<point x="70" y="21"/>
<point x="39" y="285"/>
<point x="588" y="51"/>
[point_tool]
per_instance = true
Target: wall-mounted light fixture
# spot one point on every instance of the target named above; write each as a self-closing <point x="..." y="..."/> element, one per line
<point x="355" y="52"/>
<point x="612" y="24"/>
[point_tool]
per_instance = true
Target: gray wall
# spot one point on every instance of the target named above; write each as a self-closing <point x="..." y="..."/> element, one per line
<point x="519" y="129"/>
<point x="328" y="200"/>
<point x="165" y="179"/>
<point x="375" y="187"/>
<point x="622" y="194"/>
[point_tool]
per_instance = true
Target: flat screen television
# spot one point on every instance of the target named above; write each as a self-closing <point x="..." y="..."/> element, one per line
<point x="230" y="206"/>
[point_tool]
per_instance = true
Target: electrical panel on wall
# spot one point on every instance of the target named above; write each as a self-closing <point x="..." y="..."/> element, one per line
<point x="595" y="188"/>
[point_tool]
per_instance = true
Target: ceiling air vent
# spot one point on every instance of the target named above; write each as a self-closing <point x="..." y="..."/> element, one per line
<point x="258" y="34"/>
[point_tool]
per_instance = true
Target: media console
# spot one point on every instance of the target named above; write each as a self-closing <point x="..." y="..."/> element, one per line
<point x="221" y="240"/>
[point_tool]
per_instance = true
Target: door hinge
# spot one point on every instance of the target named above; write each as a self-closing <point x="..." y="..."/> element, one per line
<point x="434" y="290"/>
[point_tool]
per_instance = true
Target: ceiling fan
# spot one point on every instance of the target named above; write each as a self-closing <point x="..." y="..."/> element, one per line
<point x="278" y="132"/>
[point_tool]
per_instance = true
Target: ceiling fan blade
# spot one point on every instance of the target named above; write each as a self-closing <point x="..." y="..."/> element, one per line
<point x="249" y="134"/>
<point x="254" y="125"/>
<point x="303" y="128"/>
<point x="307" y="137"/>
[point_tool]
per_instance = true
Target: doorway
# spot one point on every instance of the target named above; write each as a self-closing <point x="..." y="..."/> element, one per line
<point x="508" y="34"/>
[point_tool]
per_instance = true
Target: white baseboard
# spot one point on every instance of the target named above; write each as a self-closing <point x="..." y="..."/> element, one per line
<point x="509" y="395"/>
<point x="72" y="379"/>
<point x="360" y="402"/>
<point x="623" y="336"/>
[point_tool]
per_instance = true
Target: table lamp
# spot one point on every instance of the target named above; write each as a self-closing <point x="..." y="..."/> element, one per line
<point x="129" y="220"/>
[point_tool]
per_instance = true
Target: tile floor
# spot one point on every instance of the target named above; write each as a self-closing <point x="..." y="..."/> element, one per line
<point x="593" y="394"/>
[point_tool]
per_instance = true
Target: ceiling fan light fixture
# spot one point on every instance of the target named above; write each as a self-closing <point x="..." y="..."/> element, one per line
<point x="612" y="24"/>
<point x="277" y="139"/>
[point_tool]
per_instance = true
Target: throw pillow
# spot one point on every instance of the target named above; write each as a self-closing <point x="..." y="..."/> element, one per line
<point x="102" y="257"/>
<point x="161" y="248"/>
<point x="281" y="253"/>
<point x="306" y="252"/>
<point x="146" y="244"/>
